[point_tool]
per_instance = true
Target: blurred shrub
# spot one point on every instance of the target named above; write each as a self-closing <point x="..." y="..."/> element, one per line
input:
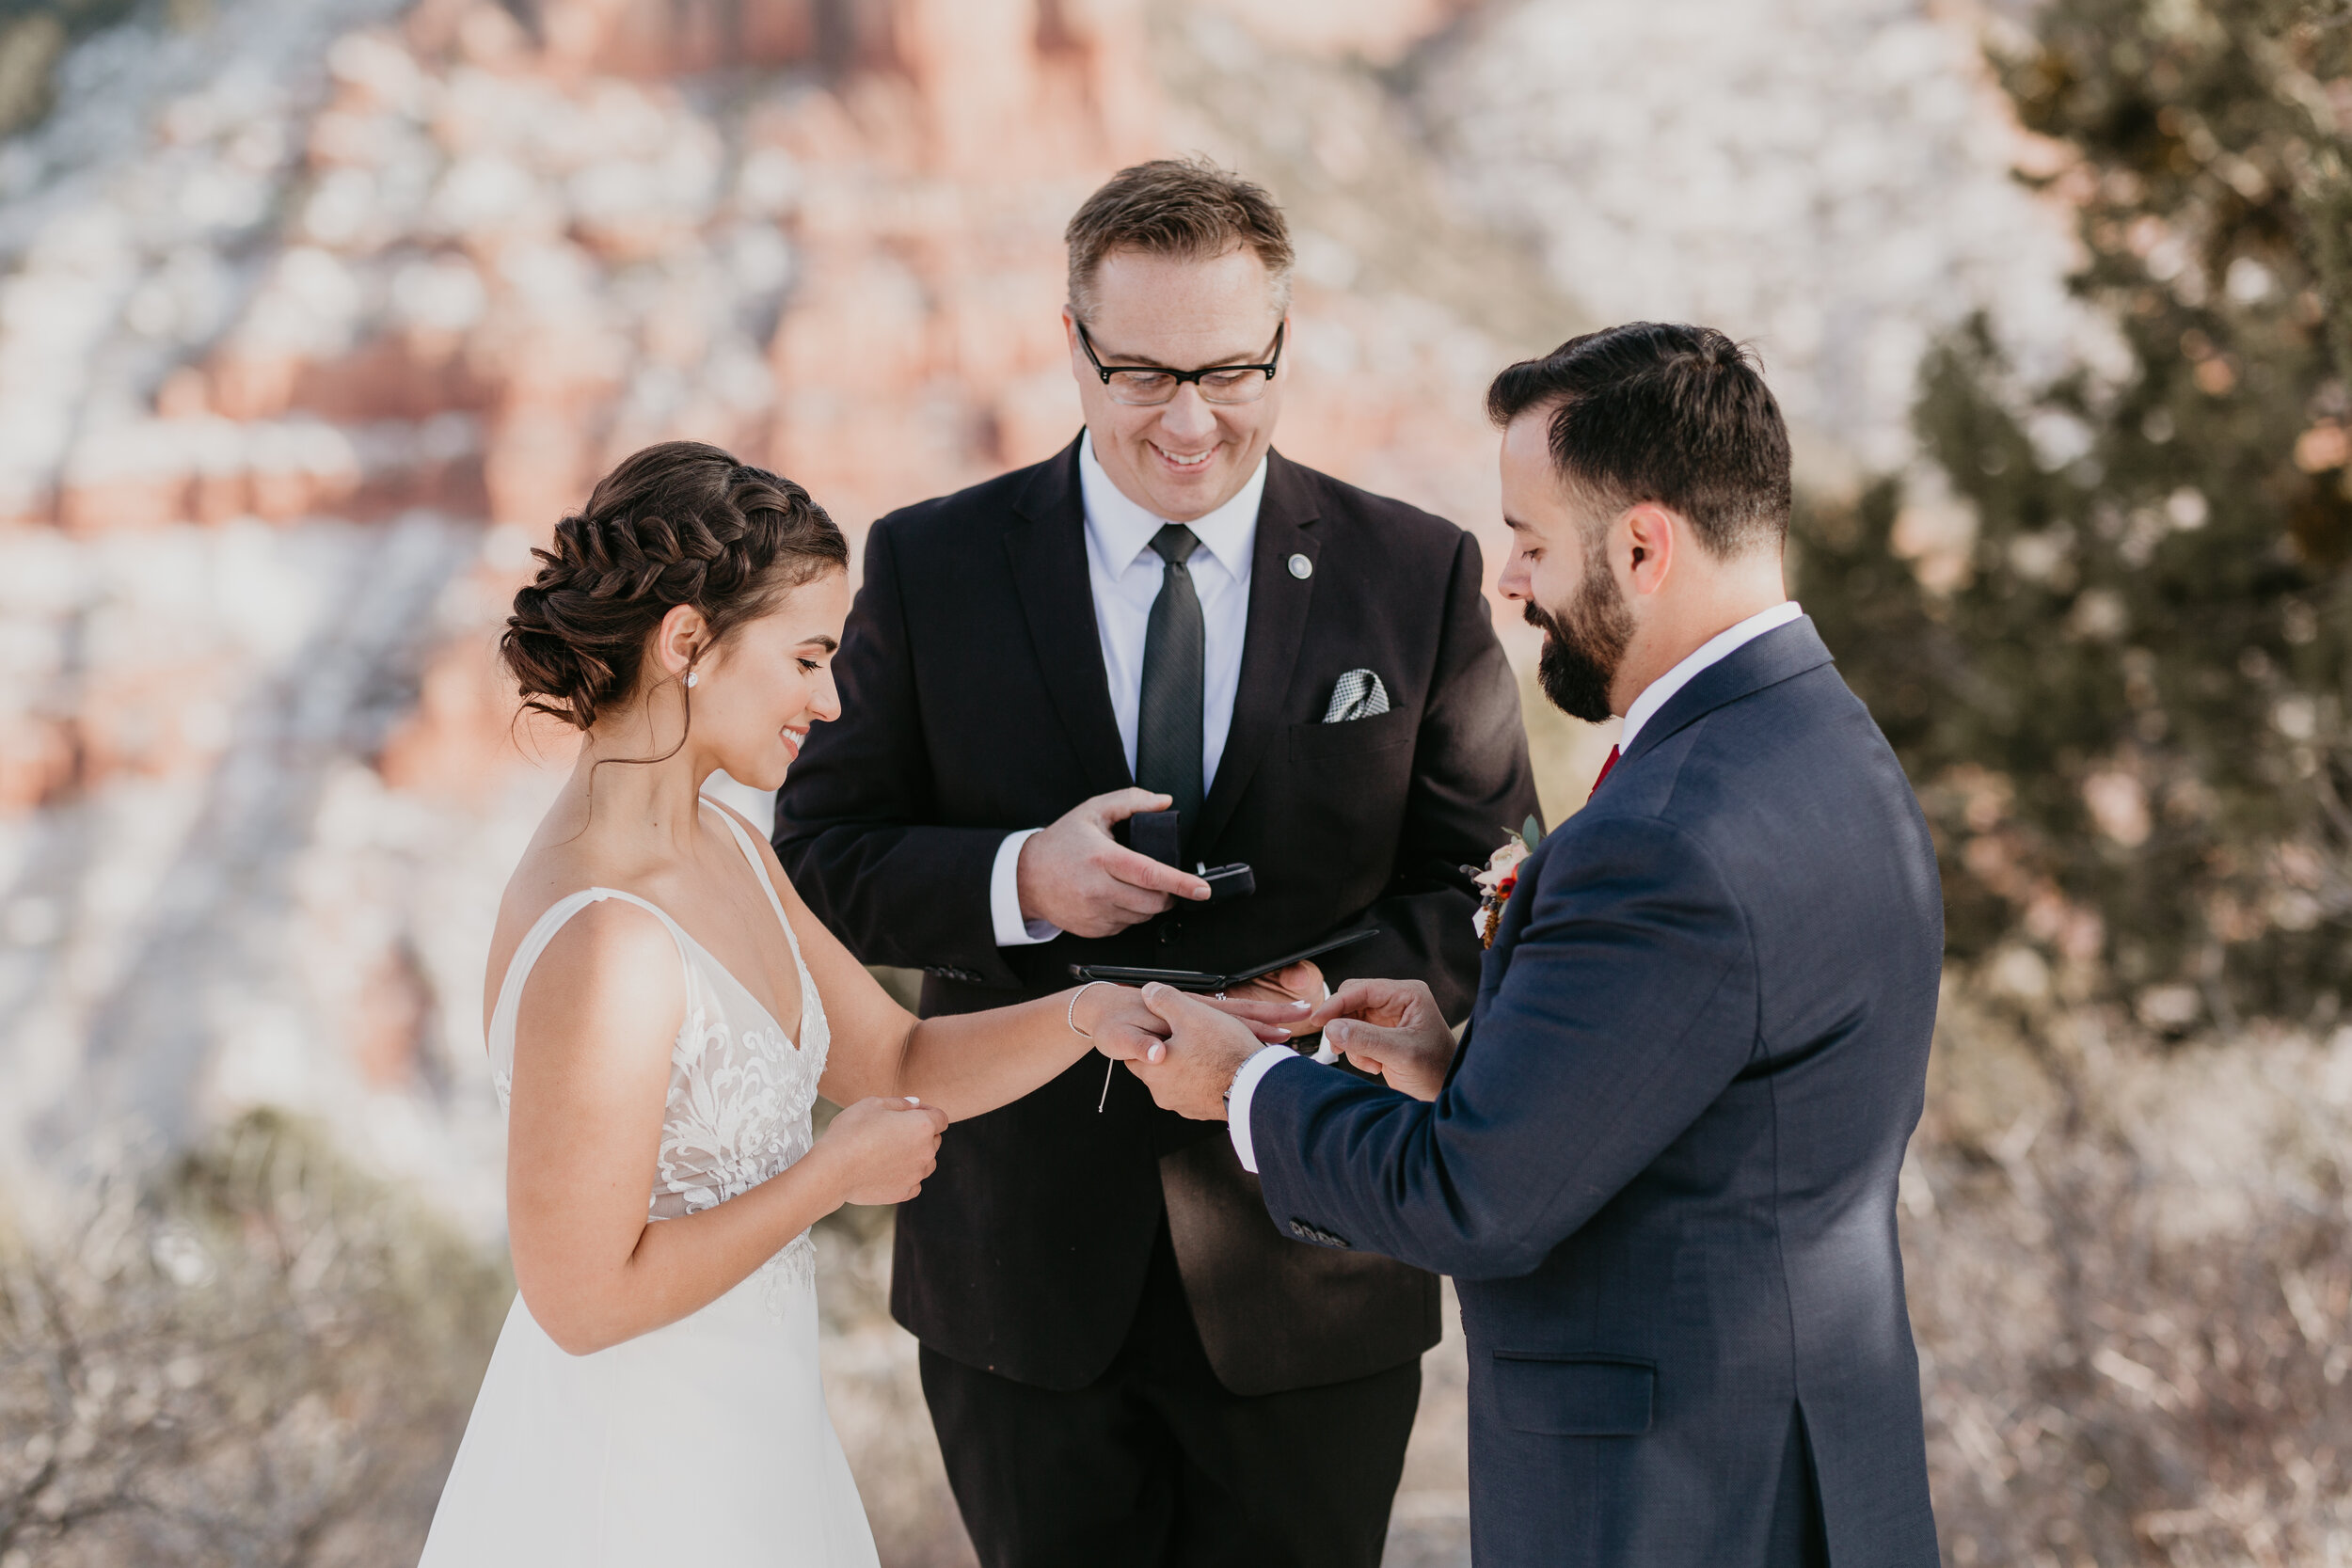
<point x="258" y="1358"/>
<point x="33" y="39"/>
<point x="2130" y="1283"/>
<point x="2113" y="656"/>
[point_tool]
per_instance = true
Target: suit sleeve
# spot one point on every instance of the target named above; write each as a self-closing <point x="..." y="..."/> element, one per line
<point x="1628" y="1004"/>
<point x="1471" y="781"/>
<point x="853" y="820"/>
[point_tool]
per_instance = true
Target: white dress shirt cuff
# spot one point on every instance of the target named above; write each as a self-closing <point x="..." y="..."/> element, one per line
<point x="1326" y="1052"/>
<point x="1238" y="1103"/>
<point x="1004" y="897"/>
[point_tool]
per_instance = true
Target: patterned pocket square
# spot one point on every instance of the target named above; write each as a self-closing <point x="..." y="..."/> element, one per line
<point x="1358" y="695"/>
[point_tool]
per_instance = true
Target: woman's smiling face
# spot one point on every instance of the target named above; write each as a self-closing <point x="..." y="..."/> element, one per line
<point x="755" y="695"/>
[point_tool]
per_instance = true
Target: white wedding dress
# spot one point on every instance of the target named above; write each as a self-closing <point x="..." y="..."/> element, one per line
<point x="706" y="1442"/>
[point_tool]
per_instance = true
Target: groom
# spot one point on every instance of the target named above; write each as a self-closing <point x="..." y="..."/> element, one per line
<point x="1125" y="1364"/>
<point x="1661" y="1165"/>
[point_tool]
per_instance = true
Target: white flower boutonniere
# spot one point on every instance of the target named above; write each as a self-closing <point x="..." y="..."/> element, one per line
<point x="1501" y="875"/>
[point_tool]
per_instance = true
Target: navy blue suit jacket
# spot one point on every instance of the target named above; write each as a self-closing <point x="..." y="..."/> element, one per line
<point x="1662" y="1170"/>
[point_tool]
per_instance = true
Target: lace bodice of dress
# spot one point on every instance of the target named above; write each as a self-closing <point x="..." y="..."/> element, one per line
<point x="740" y="1093"/>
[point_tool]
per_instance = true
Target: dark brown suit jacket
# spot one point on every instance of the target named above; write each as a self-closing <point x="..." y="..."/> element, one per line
<point x="975" y="703"/>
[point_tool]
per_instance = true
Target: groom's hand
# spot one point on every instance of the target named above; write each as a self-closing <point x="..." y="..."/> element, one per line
<point x="1076" y="876"/>
<point x="1205" y="1047"/>
<point x="1125" y="1029"/>
<point x="1391" y="1028"/>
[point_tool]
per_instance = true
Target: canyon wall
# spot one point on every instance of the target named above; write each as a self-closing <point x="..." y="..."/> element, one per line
<point x="315" y="316"/>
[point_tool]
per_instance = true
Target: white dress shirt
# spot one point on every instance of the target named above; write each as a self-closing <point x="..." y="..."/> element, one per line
<point x="1654" y="696"/>
<point x="1125" y="574"/>
<point x="1638" y="713"/>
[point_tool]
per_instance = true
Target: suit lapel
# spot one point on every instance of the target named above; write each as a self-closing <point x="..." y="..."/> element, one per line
<point x="1269" y="650"/>
<point x="1048" y="554"/>
<point x="1781" y="653"/>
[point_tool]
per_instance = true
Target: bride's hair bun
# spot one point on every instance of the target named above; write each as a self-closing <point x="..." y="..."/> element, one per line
<point x="682" y="523"/>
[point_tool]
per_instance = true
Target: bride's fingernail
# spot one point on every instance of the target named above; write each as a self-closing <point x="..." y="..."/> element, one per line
<point x="911" y="1101"/>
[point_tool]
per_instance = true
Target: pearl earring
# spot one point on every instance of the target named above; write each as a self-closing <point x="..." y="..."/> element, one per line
<point x="692" y="677"/>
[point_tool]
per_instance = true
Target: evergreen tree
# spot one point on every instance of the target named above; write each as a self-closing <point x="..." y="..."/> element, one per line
<point x="2123" y="701"/>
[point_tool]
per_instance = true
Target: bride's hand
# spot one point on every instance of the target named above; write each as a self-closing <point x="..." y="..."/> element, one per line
<point x="878" y="1150"/>
<point x="1123" y="1029"/>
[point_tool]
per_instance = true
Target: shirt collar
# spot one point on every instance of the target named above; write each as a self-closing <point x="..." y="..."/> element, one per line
<point x="1123" y="530"/>
<point x="1716" y="648"/>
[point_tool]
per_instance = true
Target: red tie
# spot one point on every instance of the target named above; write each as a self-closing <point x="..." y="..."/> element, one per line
<point x="1604" y="771"/>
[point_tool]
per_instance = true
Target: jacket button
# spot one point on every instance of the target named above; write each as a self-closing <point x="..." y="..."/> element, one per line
<point x="1169" y="931"/>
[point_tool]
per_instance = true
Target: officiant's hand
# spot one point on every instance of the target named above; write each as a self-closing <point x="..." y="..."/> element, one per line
<point x="1205" y="1047"/>
<point x="1391" y="1028"/>
<point x="1301" y="982"/>
<point x="1082" y="880"/>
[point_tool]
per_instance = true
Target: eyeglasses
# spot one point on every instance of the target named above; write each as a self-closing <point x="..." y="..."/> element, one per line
<point x="1146" y="386"/>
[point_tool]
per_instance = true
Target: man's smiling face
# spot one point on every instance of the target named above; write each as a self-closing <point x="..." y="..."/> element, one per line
<point x="1189" y="456"/>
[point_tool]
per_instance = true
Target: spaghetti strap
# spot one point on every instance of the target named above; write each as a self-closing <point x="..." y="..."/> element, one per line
<point x="759" y="869"/>
<point x="535" y="942"/>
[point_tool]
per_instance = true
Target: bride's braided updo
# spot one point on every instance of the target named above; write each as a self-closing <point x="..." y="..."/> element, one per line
<point x="682" y="523"/>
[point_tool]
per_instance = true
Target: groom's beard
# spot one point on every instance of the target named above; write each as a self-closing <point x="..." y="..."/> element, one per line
<point x="1584" y="644"/>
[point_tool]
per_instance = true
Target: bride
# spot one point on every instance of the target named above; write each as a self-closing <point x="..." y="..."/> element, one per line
<point x="666" y="1013"/>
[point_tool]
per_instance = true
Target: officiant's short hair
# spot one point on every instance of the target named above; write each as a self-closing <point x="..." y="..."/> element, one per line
<point x="1185" y="207"/>
<point x="1661" y="412"/>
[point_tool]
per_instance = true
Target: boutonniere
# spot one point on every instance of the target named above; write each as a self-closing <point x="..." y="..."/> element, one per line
<point x="1501" y="876"/>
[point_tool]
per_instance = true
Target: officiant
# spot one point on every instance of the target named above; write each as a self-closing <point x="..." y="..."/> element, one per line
<point x="1125" y="1364"/>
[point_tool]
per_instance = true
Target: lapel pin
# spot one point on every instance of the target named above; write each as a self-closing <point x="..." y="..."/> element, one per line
<point x="1301" y="567"/>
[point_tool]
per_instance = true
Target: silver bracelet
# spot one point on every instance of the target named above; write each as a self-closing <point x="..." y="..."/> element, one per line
<point x="1071" y="1018"/>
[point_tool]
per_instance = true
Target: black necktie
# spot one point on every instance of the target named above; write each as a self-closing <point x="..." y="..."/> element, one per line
<point x="1168" y="723"/>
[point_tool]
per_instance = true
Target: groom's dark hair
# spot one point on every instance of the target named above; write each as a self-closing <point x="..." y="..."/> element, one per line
<point x="1666" y="413"/>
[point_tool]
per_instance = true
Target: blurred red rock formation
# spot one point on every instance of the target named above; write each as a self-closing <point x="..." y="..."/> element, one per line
<point x="495" y="248"/>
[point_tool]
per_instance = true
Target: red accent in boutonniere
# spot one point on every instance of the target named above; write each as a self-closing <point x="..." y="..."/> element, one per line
<point x="1496" y="882"/>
